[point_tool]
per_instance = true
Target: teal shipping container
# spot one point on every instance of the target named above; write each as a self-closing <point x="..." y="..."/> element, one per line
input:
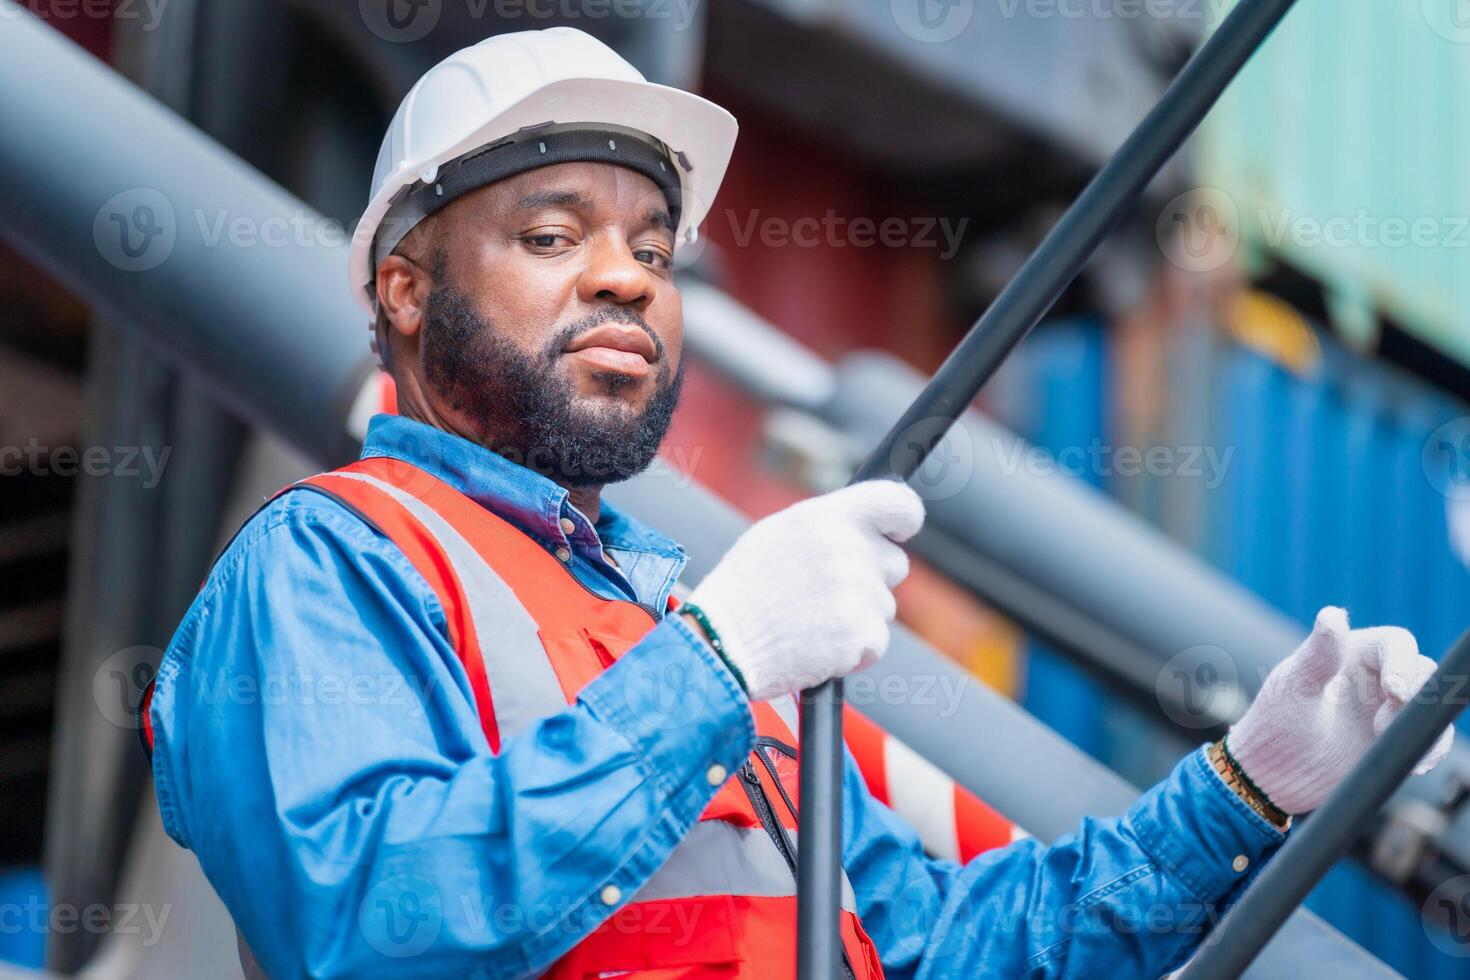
<point x="1344" y="148"/>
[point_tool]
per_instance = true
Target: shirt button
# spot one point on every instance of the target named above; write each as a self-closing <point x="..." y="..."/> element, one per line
<point x="563" y="554"/>
<point x="567" y="526"/>
<point x="611" y="895"/>
<point x="1240" y="863"/>
<point x="717" y="775"/>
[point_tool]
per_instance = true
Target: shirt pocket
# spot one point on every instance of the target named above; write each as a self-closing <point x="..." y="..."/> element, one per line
<point x="575" y="658"/>
<point x="578" y="655"/>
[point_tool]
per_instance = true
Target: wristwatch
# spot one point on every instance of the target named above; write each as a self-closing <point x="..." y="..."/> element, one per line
<point x="1242" y="786"/>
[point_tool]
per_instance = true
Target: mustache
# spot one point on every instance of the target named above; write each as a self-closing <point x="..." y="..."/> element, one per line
<point x="607" y="314"/>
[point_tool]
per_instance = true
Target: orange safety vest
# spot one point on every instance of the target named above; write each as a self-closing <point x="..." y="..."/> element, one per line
<point x="531" y="637"/>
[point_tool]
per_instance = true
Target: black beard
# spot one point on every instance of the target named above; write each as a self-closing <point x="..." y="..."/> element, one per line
<point x="524" y="408"/>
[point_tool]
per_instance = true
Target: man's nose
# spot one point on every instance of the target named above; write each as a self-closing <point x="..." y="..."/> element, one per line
<point x="614" y="275"/>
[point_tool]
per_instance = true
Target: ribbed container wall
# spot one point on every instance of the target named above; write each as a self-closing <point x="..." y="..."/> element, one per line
<point x="1343" y="147"/>
<point x="1327" y="496"/>
<point x="1062" y="405"/>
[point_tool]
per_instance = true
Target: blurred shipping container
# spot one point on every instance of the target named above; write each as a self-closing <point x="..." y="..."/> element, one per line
<point x="1338" y="484"/>
<point x="1341" y="148"/>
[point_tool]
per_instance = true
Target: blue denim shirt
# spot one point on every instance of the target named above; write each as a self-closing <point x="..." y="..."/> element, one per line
<point x="317" y="747"/>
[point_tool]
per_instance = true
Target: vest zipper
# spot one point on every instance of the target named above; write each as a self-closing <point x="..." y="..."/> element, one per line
<point x="751" y="783"/>
<point x="764" y="741"/>
<point x="757" y="794"/>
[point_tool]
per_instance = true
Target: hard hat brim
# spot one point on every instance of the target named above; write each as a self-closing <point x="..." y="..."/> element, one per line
<point x="700" y="134"/>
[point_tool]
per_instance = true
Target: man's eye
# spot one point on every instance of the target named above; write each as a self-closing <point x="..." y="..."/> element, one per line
<point x="653" y="257"/>
<point x="547" y="240"/>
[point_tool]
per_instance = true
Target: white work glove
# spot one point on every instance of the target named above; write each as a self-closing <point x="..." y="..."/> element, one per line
<point x="805" y="595"/>
<point x="1322" y="707"/>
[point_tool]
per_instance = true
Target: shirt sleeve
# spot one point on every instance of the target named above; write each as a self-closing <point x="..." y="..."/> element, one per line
<point x="1130" y="896"/>
<point x="318" y="748"/>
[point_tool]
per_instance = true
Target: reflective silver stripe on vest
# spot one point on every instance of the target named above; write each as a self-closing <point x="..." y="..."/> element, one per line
<point x="849" y="900"/>
<point x="524" y="689"/>
<point x="714" y="858"/>
<point x="718" y="858"/>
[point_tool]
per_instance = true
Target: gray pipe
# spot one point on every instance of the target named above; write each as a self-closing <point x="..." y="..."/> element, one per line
<point x="154" y="222"/>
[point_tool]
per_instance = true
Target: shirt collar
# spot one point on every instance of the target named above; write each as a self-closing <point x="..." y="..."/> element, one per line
<point x="523" y="497"/>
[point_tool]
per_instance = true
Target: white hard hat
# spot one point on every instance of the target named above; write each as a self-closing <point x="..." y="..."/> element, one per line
<point x="531" y="99"/>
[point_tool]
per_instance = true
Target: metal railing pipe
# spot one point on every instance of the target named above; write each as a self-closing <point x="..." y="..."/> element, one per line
<point x="158" y="225"/>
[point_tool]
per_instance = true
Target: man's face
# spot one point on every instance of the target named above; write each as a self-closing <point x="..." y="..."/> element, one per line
<point x="553" y="331"/>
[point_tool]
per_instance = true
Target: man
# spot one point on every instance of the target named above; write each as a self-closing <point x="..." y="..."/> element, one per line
<point x="475" y="736"/>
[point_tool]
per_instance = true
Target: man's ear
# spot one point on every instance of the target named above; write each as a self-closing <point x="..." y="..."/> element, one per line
<point x="403" y="294"/>
<point x="380" y="343"/>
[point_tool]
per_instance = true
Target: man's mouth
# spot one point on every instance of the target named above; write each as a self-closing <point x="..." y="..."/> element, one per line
<point x="615" y="347"/>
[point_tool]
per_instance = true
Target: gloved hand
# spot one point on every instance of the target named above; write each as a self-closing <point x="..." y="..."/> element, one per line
<point x="805" y="595"/>
<point x="1322" y="707"/>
